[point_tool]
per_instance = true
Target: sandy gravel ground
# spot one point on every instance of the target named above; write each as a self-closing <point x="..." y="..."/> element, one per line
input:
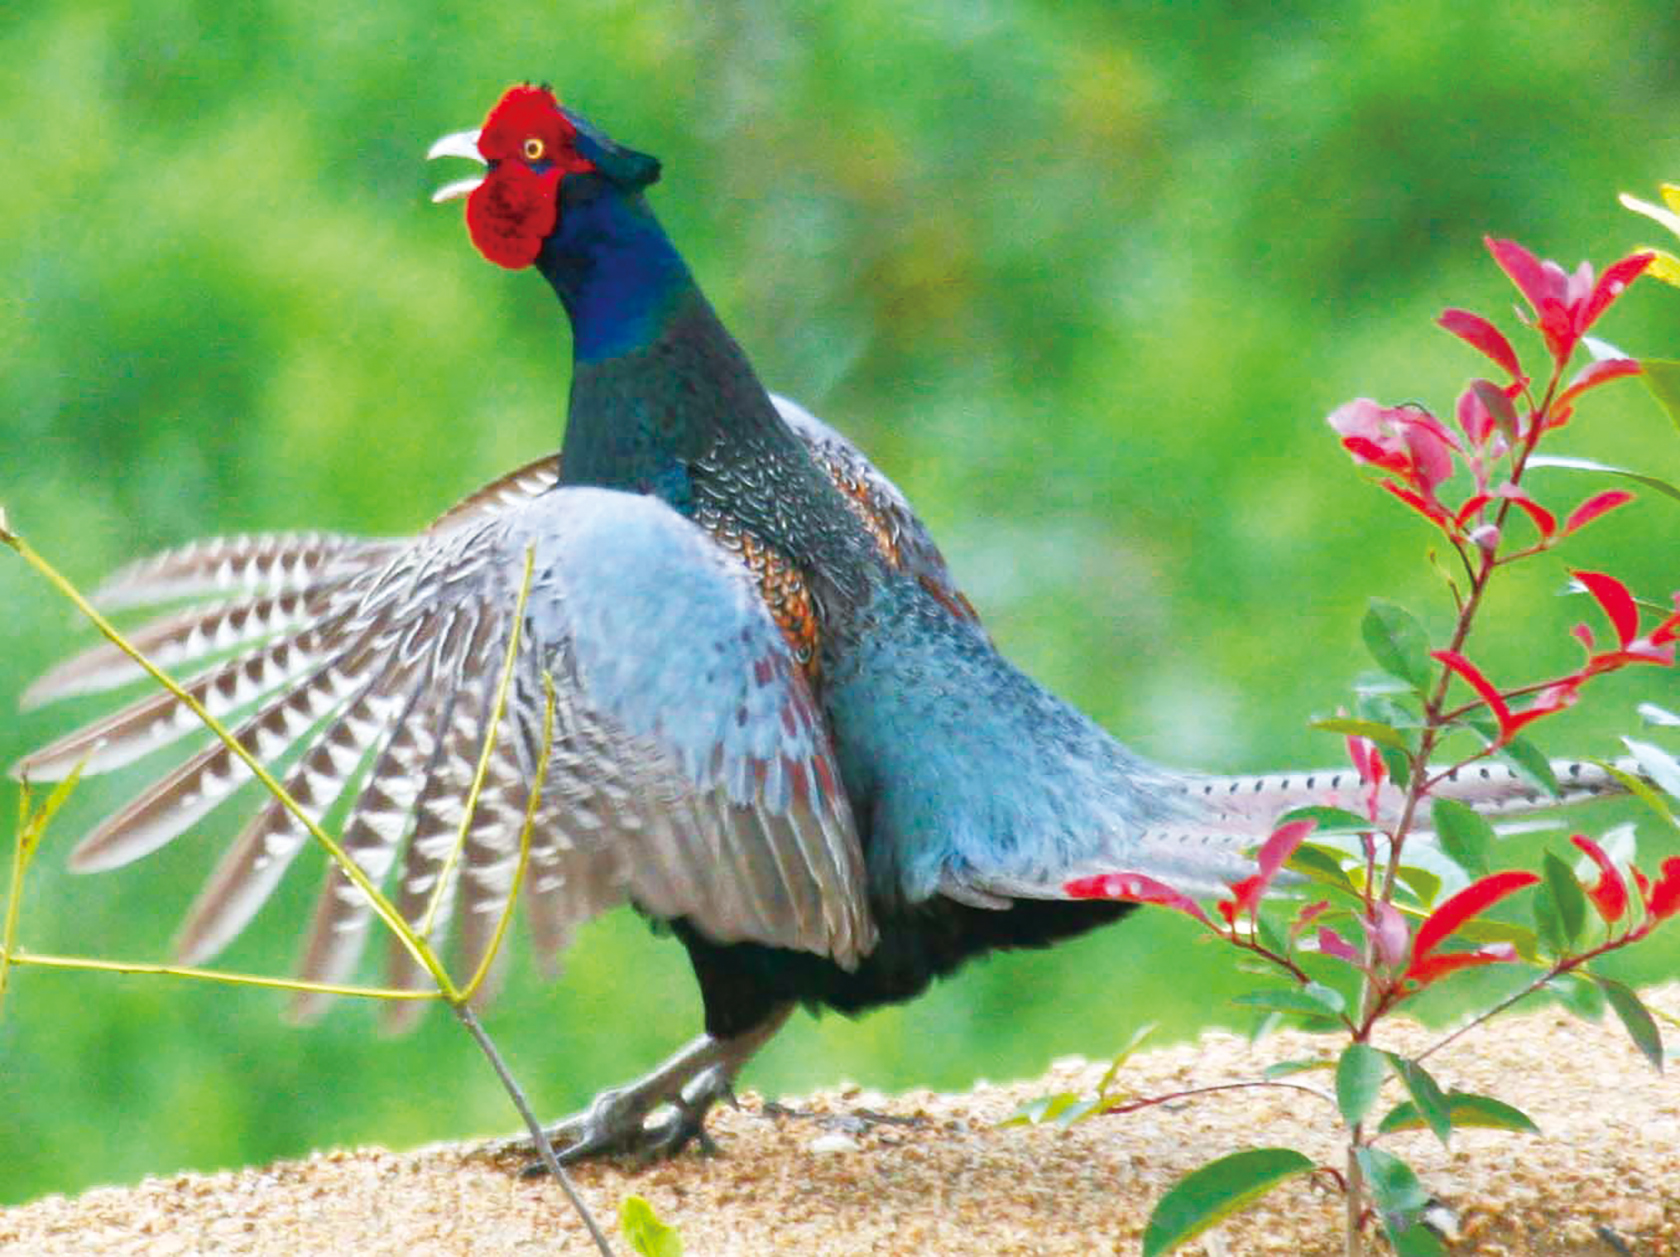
<point x="1604" y="1178"/>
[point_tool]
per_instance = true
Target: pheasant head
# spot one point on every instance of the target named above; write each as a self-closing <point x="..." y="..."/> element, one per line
<point x="530" y="146"/>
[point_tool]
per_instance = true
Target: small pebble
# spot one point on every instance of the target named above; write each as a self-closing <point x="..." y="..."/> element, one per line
<point x="833" y="1142"/>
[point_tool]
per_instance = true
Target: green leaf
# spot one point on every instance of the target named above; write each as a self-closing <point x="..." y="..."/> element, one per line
<point x="1424" y="884"/>
<point x="1548" y="924"/>
<point x="1125" y="1054"/>
<point x="1394" y="1187"/>
<point x="1578" y="993"/>
<point x="1398" y="643"/>
<point x="1466" y="1108"/>
<point x="1043" y="1109"/>
<point x="1486" y="930"/>
<point x="1331" y="820"/>
<point x="1636" y="1017"/>
<point x="1312" y="1000"/>
<point x="1531" y="764"/>
<point x="1568" y="897"/>
<point x="1264" y="1025"/>
<point x="1640" y="789"/>
<point x="1374" y="682"/>
<point x="1088" y="1107"/>
<point x="1416" y="1240"/>
<point x="1213" y="1193"/>
<point x="1269" y="937"/>
<point x="1426" y="1095"/>
<point x="645" y="1232"/>
<point x="1371" y="730"/>
<point x="1662" y="378"/>
<point x="1587" y="464"/>
<point x="1465" y="835"/>
<point x="1386" y="710"/>
<point x="1322" y="865"/>
<point x="1359" y="1076"/>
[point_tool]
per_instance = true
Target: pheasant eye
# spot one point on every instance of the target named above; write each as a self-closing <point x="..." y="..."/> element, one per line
<point x="534" y="149"/>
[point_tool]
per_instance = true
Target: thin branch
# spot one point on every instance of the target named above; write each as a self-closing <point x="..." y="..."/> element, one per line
<point x="14" y="890"/>
<point x="1131" y="1106"/>
<point x="43" y="960"/>
<point x="497" y="711"/>
<point x="531" y="804"/>
<point x="545" y="1150"/>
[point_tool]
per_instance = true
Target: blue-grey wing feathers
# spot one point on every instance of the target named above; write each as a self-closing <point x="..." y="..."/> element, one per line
<point x="689" y="771"/>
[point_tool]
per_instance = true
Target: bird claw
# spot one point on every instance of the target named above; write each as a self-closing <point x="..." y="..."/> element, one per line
<point x="637" y="1122"/>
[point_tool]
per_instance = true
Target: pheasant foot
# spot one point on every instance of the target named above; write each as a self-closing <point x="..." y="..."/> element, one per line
<point x="660" y="1113"/>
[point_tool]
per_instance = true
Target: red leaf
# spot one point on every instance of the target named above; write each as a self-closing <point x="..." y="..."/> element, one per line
<point x="1431" y="447"/>
<point x="1387" y="931"/>
<point x="1593" y="507"/>
<point x="1362" y="754"/>
<point x="1306" y="916"/>
<point x="1615" y="601"/>
<point x="1474" y="417"/>
<point x="1365" y="450"/>
<point x="1461" y="907"/>
<point x="1609" y="896"/>
<point x="1281" y="845"/>
<point x="1499" y="406"/>
<point x="1432" y="511"/>
<point x="1133" y="888"/>
<point x="1474" y="678"/>
<point x="1472" y="504"/>
<point x="1273" y="855"/>
<point x="1482" y="335"/>
<point x="1592" y="375"/>
<point x="1333" y="944"/>
<point x="1312" y="912"/>
<point x="1523" y="268"/>
<point x="1617" y="276"/>
<point x="1663" y="901"/>
<point x="1543" y="519"/>
<point x="1425" y="971"/>
<point x="1667" y="631"/>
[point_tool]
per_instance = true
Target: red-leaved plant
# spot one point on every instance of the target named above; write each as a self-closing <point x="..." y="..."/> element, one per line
<point x="1376" y="931"/>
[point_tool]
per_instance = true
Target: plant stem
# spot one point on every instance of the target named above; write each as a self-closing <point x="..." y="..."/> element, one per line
<point x="1132" y="1106"/>
<point x="1354" y="1198"/>
<point x="545" y="1150"/>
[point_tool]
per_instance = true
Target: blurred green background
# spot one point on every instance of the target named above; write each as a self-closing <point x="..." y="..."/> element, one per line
<point x="1084" y="278"/>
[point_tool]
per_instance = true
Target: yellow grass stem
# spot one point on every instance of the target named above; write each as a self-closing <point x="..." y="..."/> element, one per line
<point x="447" y="872"/>
<point x="417" y="946"/>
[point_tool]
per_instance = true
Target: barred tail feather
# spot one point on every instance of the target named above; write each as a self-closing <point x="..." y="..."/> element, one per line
<point x="1251" y="804"/>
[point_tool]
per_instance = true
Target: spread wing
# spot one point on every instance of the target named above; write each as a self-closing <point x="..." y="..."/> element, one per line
<point x="690" y="770"/>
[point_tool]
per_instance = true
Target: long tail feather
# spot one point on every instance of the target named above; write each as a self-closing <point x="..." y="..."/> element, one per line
<point x="1253" y="803"/>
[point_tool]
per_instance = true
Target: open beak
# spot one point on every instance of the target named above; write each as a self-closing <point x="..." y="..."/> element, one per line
<point x="460" y="144"/>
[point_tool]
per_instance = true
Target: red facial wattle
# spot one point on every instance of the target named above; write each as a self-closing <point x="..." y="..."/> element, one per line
<point x="530" y="146"/>
<point x="512" y="212"/>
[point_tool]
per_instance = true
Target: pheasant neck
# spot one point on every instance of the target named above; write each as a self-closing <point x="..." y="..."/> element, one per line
<point x="663" y="400"/>
<point x="615" y="270"/>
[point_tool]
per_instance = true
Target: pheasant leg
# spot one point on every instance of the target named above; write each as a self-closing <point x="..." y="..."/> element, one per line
<point x="662" y="1112"/>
